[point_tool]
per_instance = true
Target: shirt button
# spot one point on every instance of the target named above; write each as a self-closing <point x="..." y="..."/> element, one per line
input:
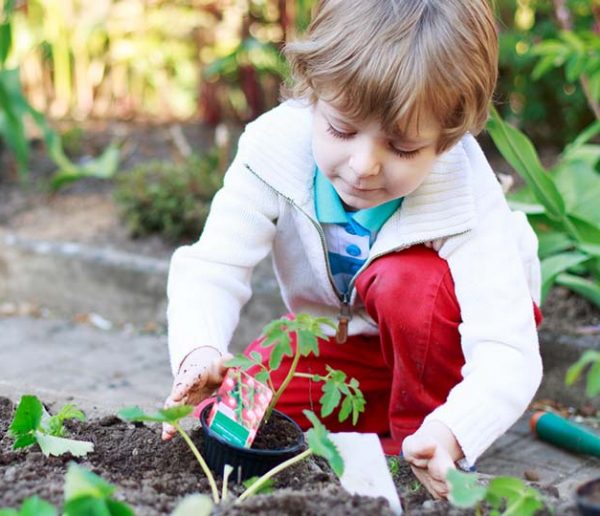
<point x="350" y="230"/>
<point x="353" y="250"/>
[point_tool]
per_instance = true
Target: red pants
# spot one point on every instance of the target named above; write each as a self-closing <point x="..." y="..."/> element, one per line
<point x="409" y="368"/>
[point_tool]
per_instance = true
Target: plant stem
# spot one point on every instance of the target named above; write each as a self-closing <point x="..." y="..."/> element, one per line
<point x="284" y="385"/>
<point x="203" y="465"/>
<point x="304" y="375"/>
<point x="272" y="472"/>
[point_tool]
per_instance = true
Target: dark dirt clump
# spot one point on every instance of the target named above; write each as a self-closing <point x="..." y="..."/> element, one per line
<point x="278" y="433"/>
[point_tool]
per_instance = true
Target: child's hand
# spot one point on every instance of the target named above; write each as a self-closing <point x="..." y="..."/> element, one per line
<point x="431" y="452"/>
<point x="200" y="374"/>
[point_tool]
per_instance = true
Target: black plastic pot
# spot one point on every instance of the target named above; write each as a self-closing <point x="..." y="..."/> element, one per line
<point x="587" y="497"/>
<point x="246" y="462"/>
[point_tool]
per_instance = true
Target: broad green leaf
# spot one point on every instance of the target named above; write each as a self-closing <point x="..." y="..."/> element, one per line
<point x="531" y="208"/>
<point x="526" y="506"/>
<point x="169" y="415"/>
<point x="552" y="242"/>
<point x="51" y="445"/>
<point x="586" y="233"/>
<point x="330" y="399"/>
<point x="321" y="445"/>
<point x="87" y="506"/>
<point x="24" y="440"/>
<point x="579" y="185"/>
<point x="28" y="416"/>
<point x="556" y="264"/>
<point x="79" y="482"/>
<point x="345" y="410"/>
<point x="518" y="150"/>
<point x="262" y="376"/>
<point x="307" y="343"/>
<point x="194" y="505"/>
<point x="464" y="490"/>
<point x="9" y="512"/>
<point x="280" y="348"/>
<point x="582" y="286"/>
<point x="5" y="41"/>
<point x="358" y="406"/>
<point x="12" y="102"/>
<point x="590" y="356"/>
<point x="240" y="361"/>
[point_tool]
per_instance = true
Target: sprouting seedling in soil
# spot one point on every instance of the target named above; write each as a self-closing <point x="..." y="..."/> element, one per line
<point x="319" y="443"/>
<point x="32" y="424"/>
<point x="590" y="359"/>
<point x="173" y="416"/>
<point x="86" y="493"/>
<point x="308" y="329"/>
<point x="508" y="492"/>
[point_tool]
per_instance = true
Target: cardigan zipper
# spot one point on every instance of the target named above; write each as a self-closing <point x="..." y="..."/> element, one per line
<point x="345" y="314"/>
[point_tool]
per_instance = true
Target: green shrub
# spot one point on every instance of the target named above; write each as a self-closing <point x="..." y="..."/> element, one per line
<point x="170" y="199"/>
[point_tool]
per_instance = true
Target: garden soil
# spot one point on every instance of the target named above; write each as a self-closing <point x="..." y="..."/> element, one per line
<point x="153" y="476"/>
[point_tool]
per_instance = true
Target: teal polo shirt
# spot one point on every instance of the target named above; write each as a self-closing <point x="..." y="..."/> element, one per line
<point x="349" y="234"/>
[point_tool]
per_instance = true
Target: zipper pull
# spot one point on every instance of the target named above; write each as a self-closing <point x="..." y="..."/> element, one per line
<point x="344" y="317"/>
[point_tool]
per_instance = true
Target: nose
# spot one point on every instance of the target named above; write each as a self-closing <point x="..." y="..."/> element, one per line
<point x="364" y="161"/>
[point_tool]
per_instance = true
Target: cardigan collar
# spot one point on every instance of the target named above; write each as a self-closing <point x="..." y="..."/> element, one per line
<point x="277" y="147"/>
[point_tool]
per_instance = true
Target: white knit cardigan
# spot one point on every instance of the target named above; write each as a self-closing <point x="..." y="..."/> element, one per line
<point x="267" y="205"/>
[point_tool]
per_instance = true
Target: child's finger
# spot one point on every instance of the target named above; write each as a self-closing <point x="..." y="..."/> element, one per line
<point x="168" y="431"/>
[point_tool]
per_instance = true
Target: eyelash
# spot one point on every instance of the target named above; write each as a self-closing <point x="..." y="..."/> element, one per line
<point x="347" y="136"/>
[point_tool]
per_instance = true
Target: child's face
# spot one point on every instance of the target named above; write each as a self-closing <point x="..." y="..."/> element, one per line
<point x="366" y="166"/>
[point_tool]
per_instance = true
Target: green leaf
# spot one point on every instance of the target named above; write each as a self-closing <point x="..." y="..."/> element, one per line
<point x="307" y="343"/>
<point x="55" y="427"/>
<point x="330" y="399"/>
<point x="28" y="416"/>
<point x="321" y="445"/>
<point x="169" y="415"/>
<point x="518" y="150"/>
<point x="51" y="445"/>
<point x="345" y="410"/>
<point x="553" y="242"/>
<point x="590" y="356"/>
<point x="267" y="487"/>
<point x="262" y="376"/>
<point x="554" y="265"/>
<point x="521" y="500"/>
<point x="240" y="361"/>
<point x="32" y="506"/>
<point x="593" y="381"/>
<point x="24" y="440"/>
<point x="194" y="505"/>
<point x="87" y="506"/>
<point x="280" y="348"/>
<point x="579" y="185"/>
<point x="5" y="41"/>
<point x="79" y="482"/>
<point x="583" y="287"/>
<point x="464" y="490"/>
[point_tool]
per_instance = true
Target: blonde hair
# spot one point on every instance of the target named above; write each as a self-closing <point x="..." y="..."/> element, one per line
<point x="389" y="59"/>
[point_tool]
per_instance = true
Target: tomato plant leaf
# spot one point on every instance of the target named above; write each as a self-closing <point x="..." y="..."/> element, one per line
<point x="464" y="490"/>
<point x="330" y="399"/>
<point x="240" y="361"/>
<point x="32" y="506"/>
<point x="169" y="415"/>
<point x="321" y="445"/>
<point x="23" y="441"/>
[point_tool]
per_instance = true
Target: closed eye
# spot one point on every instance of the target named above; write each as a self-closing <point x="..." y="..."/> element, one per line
<point x="403" y="153"/>
<point x="339" y="134"/>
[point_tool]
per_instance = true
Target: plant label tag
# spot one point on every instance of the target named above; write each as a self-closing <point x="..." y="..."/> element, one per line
<point x="365" y="468"/>
<point x="240" y="405"/>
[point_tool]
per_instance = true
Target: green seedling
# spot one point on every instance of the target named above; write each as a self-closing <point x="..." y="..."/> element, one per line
<point x="317" y="438"/>
<point x="33" y="506"/>
<point x="277" y="336"/>
<point x="319" y="444"/>
<point x="509" y="493"/>
<point x="589" y="360"/>
<point x="173" y="416"/>
<point x="32" y="424"/>
<point x="86" y="493"/>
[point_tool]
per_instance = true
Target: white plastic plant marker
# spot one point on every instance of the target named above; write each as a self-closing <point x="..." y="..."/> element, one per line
<point x="365" y="468"/>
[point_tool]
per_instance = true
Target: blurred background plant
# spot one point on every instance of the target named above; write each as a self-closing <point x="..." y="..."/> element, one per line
<point x="167" y="198"/>
<point x="562" y="201"/>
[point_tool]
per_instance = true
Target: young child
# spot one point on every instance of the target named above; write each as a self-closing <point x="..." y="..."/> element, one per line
<point x="380" y="211"/>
